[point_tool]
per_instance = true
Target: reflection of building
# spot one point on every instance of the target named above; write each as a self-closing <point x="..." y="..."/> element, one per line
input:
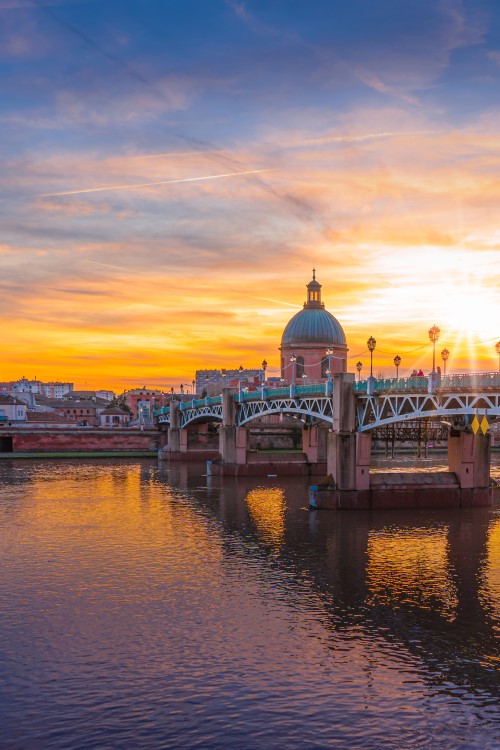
<point x="307" y="336"/>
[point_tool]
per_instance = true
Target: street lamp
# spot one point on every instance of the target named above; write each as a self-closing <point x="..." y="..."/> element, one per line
<point x="172" y="392"/>
<point x="182" y="389"/>
<point x="371" y="343"/>
<point x="293" y="360"/>
<point x="304" y="376"/>
<point x="264" y="368"/>
<point x="193" y="383"/>
<point x="397" y="362"/>
<point x="359" y="367"/>
<point x="240" y="370"/>
<point x="444" y="356"/>
<point x="434" y="335"/>
<point x="497" y="347"/>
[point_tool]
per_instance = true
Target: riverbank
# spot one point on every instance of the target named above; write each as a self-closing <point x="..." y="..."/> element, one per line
<point x="81" y="454"/>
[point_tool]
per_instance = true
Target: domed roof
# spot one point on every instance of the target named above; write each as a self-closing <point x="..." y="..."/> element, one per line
<point x="313" y="325"/>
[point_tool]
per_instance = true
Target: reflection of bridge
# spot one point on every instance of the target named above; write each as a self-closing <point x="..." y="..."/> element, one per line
<point x="444" y="610"/>
<point x="339" y="415"/>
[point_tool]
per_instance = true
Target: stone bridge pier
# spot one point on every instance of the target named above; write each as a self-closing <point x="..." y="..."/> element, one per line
<point x="348" y="458"/>
<point x="233" y="440"/>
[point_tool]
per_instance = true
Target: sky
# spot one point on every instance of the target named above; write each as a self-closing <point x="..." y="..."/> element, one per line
<point x="171" y="171"/>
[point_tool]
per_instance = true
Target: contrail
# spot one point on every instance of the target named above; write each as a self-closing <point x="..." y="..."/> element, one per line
<point x="106" y="265"/>
<point x="359" y="138"/>
<point x="151" y="184"/>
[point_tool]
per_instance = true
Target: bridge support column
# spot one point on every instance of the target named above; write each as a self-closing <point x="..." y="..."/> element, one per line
<point x="315" y="443"/>
<point x="174" y="437"/>
<point x="349" y="452"/>
<point x="469" y="457"/>
<point x="232" y="439"/>
<point x="183" y="440"/>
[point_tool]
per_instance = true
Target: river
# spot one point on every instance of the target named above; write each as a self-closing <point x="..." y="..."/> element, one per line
<point x="151" y="608"/>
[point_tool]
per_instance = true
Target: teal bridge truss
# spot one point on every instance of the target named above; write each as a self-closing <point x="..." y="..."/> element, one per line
<point x="390" y="401"/>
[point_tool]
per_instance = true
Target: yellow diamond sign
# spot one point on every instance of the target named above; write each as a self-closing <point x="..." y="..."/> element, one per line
<point x="484" y="425"/>
<point x="475" y="425"/>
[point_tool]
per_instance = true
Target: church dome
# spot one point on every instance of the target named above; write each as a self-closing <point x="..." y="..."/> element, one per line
<point x="313" y="324"/>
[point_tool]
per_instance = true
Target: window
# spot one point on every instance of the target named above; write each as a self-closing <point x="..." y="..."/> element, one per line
<point x="300" y="367"/>
<point x="324" y="368"/>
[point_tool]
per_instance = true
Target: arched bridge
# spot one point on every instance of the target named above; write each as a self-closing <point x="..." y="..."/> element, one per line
<point x="390" y="401"/>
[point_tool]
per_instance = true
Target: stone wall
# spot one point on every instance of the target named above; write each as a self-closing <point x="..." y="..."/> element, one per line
<point x="57" y="440"/>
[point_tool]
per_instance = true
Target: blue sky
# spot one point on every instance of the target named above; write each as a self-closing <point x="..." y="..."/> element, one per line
<point x="375" y="126"/>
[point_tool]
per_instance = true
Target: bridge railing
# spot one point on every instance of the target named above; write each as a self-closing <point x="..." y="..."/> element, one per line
<point x="465" y="381"/>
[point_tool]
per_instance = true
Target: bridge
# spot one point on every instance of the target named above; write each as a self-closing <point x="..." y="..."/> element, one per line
<point x="338" y="416"/>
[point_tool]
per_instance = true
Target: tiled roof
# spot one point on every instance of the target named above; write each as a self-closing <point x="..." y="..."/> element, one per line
<point x="47" y="416"/>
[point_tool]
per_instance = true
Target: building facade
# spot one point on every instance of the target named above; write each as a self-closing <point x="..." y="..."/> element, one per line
<point x="313" y="345"/>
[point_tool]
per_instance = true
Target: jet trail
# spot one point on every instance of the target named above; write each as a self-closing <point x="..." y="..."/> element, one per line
<point x="152" y="184"/>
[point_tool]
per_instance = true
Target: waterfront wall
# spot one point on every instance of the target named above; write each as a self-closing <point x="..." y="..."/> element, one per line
<point x="74" y="440"/>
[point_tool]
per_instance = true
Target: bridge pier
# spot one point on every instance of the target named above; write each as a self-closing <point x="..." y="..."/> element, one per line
<point x="469" y="458"/>
<point x="315" y="443"/>
<point x="233" y="440"/>
<point x="174" y="432"/>
<point x="348" y="459"/>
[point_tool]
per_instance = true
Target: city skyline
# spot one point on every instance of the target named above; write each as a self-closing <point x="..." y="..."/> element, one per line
<point x="171" y="175"/>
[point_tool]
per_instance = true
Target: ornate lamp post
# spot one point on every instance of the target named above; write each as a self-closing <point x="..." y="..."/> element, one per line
<point x="397" y="362"/>
<point x="172" y="392"/>
<point x="182" y="389"/>
<point x="359" y="367"/>
<point x="293" y="360"/>
<point x="444" y="356"/>
<point x="264" y="368"/>
<point x="434" y="335"/>
<point x="497" y="347"/>
<point x="240" y="370"/>
<point x="304" y="376"/>
<point x="371" y="343"/>
<point x="193" y="383"/>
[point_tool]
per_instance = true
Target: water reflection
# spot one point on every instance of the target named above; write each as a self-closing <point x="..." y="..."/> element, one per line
<point x="267" y="509"/>
<point x="146" y="607"/>
<point x="410" y="567"/>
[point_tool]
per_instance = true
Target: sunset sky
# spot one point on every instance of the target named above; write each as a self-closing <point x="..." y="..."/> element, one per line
<point x="360" y="138"/>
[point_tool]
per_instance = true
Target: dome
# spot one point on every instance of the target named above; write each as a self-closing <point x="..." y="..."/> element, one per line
<point x="313" y="325"/>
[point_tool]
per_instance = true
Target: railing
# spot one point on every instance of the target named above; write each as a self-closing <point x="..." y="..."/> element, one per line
<point x="466" y="381"/>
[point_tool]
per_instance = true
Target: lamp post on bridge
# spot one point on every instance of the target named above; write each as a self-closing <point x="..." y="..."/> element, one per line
<point x="444" y="356"/>
<point x="370" y="386"/>
<point x="434" y="335"/>
<point x="359" y="367"/>
<point x="293" y="360"/>
<point x="497" y="347"/>
<point x="193" y="383"/>
<point x="433" y="381"/>
<point x="397" y="362"/>
<point x="240" y="370"/>
<point x="264" y="368"/>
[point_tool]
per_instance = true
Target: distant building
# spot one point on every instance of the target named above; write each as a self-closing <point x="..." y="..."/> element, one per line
<point x="12" y="410"/>
<point x="52" y="389"/>
<point x="142" y="402"/>
<point x="213" y="381"/>
<point x="113" y="416"/>
<point x="306" y="339"/>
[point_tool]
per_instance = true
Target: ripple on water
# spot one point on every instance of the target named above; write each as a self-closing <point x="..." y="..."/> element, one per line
<point x="137" y="610"/>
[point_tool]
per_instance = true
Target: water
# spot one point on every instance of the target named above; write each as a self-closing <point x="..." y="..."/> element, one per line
<point x="146" y="608"/>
